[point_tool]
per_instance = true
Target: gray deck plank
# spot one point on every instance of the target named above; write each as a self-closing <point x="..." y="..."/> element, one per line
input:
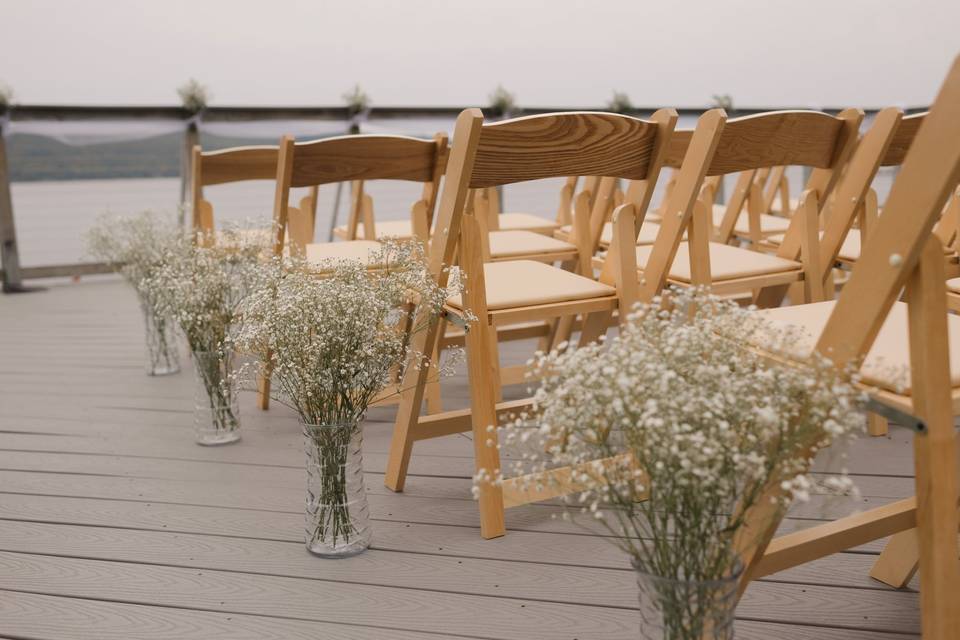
<point x="118" y="526"/>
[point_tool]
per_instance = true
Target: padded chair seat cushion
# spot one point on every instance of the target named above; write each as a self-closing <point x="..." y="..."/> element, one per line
<point x="509" y="244"/>
<point x="888" y="363"/>
<point x="526" y="222"/>
<point x="358" y="250"/>
<point x="388" y="228"/>
<point x="726" y="262"/>
<point x="648" y="233"/>
<point x="768" y="224"/>
<point x="953" y="284"/>
<point x="524" y="283"/>
<point x="849" y="250"/>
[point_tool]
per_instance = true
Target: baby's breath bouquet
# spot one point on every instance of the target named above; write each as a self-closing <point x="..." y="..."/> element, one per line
<point x="334" y="337"/>
<point x="137" y="247"/>
<point x="679" y="429"/>
<point x="201" y="287"/>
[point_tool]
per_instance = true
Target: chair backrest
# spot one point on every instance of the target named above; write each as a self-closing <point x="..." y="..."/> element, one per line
<point x="237" y="164"/>
<point x="928" y="176"/>
<point x="355" y="158"/>
<point x="542" y="146"/>
<point x="902" y="140"/>
<point x="718" y="146"/>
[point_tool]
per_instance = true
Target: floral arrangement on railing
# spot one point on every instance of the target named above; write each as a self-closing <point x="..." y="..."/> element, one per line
<point x="6" y="96"/>
<point x="503" y="104"/>
<point x="334" y="337"/>
<point x="194" y="96"/>
<point x="201" y="286"/>
<point x="137" y="247"/>
<point x="686" y="444"/>
<point x="620" y="103"/>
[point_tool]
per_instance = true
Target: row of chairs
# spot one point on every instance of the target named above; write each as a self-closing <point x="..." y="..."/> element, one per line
<point x="616" y="250"/>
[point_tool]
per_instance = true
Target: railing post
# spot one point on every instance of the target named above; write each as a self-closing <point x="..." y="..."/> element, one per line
<point x="9" y="257"/>
<point x="191" y="137"/>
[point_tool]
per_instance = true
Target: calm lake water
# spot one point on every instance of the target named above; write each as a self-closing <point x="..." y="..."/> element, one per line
<point x="51" y="217"/>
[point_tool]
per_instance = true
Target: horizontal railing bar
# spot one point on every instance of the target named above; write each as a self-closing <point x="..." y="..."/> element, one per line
<point x="227" y="113"/>
<point x="65" y="270"/>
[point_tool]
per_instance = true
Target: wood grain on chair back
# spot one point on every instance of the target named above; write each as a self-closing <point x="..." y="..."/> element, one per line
<point x="542" y="146"/>
<point x="225" y="166"/>
<point x="804" y="138"/>
<point x="906" y="132"/>
<point x="355" y="158"/>
<point x="563" y="144"/>
<point x="362" y="157"/>
<point x="236" y="164"/>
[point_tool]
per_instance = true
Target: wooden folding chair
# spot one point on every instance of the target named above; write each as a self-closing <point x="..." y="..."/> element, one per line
<point x="503" y="293"/>
<point x="717" y="147"/>
<point x="237" y="164"/>
<point x="361" y="222"/>
<point x="487" y="203"/>
<point x="854" y="225"/>
<point x="867" y="323"/>
<point x="342" y="159"/>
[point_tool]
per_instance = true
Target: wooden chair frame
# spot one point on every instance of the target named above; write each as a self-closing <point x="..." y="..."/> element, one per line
<point x="352" y="158"/>
<point x="903" y="252"/>
<point x="236" y="164"/>
<point x="718" y="146"/>
<point x="551" y="145"/>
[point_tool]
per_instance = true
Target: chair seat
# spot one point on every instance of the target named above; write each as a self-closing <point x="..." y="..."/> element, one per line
<point x="953" y="284"/>
<point x="525" y="283"/>
<point x="402" y="229"/>
<point x="888" y="363"/>
<point x="768" y="224"/>
<point x="726" y="262"/>
<point x="776" y="208"/>
<point x="648" y="233"/>
<point x="358" y="250"/>
<point x="515" y="244"/>
<point x="526" y="222"/>
<point x="849" y="250"/>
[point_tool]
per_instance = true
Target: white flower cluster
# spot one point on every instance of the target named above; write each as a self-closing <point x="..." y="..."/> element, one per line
<point x="677" y="428"/>
<point x="336" y="334"/>
<point x="137" y="246"/>
<point x="201" y="287"/>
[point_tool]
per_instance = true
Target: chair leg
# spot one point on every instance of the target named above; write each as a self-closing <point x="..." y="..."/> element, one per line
<point x="899" y="560"/>
<point x="263" y="387"/>
<point x="484" y="386"/>
<point x="432" y="391"/>
<point x="408" y="412"/>
<point x="564" y="329"/>
<point x="877" y="425"/>
<point x="935" y="451"/>
<point x="594" y="326"/>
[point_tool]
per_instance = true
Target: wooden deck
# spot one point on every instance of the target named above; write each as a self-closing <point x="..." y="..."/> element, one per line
<point x="114" y="525"/>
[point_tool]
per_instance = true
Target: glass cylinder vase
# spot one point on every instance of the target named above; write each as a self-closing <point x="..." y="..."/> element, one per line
<point x="672" y="609"/>
<point x="337" y="513"/>
<point x="163" y="358"/>
<point x="216" y="415"/>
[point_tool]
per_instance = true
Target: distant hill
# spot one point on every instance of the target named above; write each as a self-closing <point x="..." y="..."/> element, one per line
<point x="32" y="157"/>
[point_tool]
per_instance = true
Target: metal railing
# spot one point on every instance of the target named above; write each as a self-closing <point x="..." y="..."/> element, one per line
<point x="13" y="274"/>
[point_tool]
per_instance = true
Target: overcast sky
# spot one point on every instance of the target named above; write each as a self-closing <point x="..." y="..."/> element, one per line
<point x="429" y="52"/>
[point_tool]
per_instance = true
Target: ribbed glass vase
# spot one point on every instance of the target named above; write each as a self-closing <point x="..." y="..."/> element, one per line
<point x="337" y="513"/>
<point x="163" y="358"/>
<point x="672" y="609"/>
<point x="216" y="416"/>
